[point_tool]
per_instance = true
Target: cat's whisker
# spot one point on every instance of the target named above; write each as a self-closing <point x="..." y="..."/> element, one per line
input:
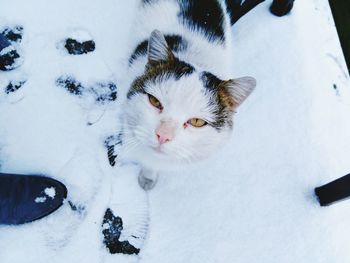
<point x="182" y="154"/>
<point x="130" y="144"/>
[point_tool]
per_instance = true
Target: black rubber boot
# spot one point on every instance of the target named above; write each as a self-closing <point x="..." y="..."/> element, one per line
<point x="334" y="191"/>
<point x="281" y="7"/>
<point x="25" y="198"/>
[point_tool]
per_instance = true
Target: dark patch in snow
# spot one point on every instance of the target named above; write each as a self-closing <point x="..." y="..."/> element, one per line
<point x="13" y="34"/>
<point x="335" y="87"/>
<point x="112" y="227"/>
<point x="111" y="143"/>
<point x="4" y="42"/>
<point x="105" y="92"/>
<point x="14" y="86"/>
<point x="76" y="208"/>
<point x="111" y="156"/>
<point x="8" y="60"/>
<point x="75" y="47"/>
<point x="70" y="84"/>
<point x="9" y="56"/>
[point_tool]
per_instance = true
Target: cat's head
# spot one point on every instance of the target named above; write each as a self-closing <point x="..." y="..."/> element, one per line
<point x="177" y="113"/>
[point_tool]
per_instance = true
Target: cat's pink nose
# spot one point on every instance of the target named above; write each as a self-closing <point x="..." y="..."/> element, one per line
<point x="164" y="133"/>
<point x="163" y="139"/>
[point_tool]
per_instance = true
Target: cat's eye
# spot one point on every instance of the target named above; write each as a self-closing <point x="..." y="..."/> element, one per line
<point x="196" y="122"/>
<point x="155" y="102"/>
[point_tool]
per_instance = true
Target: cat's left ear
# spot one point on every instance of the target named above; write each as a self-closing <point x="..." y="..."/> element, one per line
<point x="237" y="90"/>
<point x="158" y="49"/>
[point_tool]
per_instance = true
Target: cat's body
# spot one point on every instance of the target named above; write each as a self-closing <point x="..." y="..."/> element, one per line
<point x="204" y="40"/>
<point x="181" y="100"/>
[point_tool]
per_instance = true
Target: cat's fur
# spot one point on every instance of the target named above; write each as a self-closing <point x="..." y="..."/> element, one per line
<point x="182" y="56"/>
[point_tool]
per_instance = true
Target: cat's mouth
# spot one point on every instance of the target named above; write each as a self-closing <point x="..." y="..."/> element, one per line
<point x="157" y="149"/>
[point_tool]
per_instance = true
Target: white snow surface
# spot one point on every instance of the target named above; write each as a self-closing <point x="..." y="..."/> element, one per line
<point x="50" y="192"/>
<point x="40" y="200"/>
<point x="251" y="202"/>
<point x="80" y="35"/>
<point x="6" y="50"/>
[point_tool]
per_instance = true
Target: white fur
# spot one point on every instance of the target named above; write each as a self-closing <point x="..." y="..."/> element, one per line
<point x="182" y="100"/>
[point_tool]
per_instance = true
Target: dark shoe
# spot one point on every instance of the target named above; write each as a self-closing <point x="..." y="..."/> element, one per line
<point x="281" y="7"/>
<point x="334" y="191"/>
<point x="25" y="198"/>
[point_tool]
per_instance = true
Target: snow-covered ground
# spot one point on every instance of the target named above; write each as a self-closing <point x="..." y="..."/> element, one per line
<point x="251" y="202"/>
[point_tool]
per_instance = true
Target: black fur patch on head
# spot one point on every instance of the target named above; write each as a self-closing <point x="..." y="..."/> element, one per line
<point x="175" y="42"/>
<point x="206" y="16"/>
<point x="215" y="87"/>
<point x="163" y="70"/>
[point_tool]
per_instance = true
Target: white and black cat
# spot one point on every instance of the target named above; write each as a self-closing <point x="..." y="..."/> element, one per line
<point x="182" y="99"/>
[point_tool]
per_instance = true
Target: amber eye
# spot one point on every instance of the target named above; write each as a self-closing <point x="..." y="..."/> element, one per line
<point x="195" y="122"/>
<point x="155" y="102"/>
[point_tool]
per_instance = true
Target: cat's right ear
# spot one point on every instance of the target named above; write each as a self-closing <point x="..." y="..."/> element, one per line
<point x="235" y="91"/>
<point x="158" y="49"/>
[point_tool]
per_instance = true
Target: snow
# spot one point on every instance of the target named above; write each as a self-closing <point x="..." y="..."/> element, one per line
<point x="50" y="192"/>
<point x="6" y="50"/>
<point x="81" y="35"/>
<point x="251" y="202"/>
<point x="40" y="200"/>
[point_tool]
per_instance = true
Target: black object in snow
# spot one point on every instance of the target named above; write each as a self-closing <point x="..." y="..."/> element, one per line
<point x="4" y="42"/>
<point x="70" y="84"/>
<point x="281" y="7"/>
<point x="7" y="59"/>
<point x="14" y="86"/>
<point x="25" y="198"/>
<point x="105" y="92"/>
<point x="75" y="47"/>
<point x="334" y="191"/>
<point x="111" y="143"/>
<point x="112" y="227"/>
<point x="13" y="34"/>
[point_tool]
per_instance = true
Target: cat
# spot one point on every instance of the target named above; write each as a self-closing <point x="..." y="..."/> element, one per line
<point x="182" y="99"/>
